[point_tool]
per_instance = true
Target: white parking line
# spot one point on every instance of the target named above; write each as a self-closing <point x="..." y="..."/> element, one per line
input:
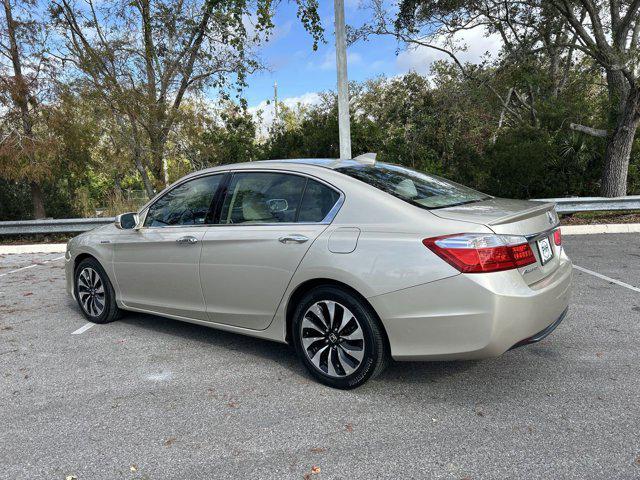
<point x="83" y="328"/>
<point x="31" y="266"/>
<point x="608" y="279"/>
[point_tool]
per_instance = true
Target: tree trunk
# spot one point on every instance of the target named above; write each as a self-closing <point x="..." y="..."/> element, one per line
<point x="619" y="145"/>
<point x="37" y="200"/>
<point x="143" y="173"/>
<point x="158" y="167"/>
<point x="21" y="95"/>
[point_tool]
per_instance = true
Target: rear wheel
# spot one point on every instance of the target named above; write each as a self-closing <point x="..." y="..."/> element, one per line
<point x="94" y="292"/>
<point x="338" y="338"/>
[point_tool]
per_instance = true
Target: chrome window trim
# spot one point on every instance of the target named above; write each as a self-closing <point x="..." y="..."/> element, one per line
<point x="331" y="215"/>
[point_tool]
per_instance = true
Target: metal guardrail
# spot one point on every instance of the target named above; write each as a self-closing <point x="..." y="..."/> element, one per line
<point x="593" y="204"/>
<point x="65" y="225"/>
<point x="77" y="225"/>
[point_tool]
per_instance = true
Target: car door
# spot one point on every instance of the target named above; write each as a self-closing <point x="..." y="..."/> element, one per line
<point x="267" y="222"/>
<point x="156" y="266"/>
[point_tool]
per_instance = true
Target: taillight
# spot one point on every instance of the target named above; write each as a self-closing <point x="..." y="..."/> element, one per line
<point x="481" y="253"/>
<point x="557" y="237"/>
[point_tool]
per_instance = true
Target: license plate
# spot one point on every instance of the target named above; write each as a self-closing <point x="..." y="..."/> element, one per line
<point x="544" y="248"/>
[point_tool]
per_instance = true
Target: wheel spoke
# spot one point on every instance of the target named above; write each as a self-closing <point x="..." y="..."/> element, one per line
<point x="355" y="334"/>
<point x="82" y="283"/>
<point x="356" y="352"/>
<point x="348" y="364"/>
<point x="331" y="370"/>
<point x="311" y="320"/>
<point x="95" y="278"/>
<point x="316" y="358"/>
<point x="326" y="314"/>
<point x="99" y="302"/>
<point x="85" y="278"/>
<point x="85" y="302"/>
<point x="311" y="343"/>
<point x="345" y="318"/>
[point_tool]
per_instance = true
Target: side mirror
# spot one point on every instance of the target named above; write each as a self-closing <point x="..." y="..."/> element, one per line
<point x="127" y="221"/>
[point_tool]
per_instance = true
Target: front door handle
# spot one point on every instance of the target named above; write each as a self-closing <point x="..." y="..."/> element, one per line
<point x="294" y="238"/>
<point x="188" y="240"/>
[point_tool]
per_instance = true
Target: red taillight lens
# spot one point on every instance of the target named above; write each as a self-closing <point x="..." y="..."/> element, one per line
<point x="557" y="237"/>
<point x="481" y="253"/>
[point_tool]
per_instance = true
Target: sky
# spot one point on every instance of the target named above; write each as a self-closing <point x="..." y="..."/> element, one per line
<point x="301" y="72"/>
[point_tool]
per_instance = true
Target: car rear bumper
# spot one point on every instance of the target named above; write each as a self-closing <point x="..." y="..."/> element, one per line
<point x="473" y="316"/>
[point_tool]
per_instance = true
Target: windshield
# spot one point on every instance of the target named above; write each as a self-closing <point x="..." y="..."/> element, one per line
<point x="426" y="191"/>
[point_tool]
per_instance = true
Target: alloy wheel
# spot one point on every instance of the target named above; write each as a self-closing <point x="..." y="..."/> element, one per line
<point x="332" y="338"/>
<point x="91" y="292"/>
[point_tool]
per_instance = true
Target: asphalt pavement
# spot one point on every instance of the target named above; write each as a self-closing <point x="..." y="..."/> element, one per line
<point x="153" y="398"/>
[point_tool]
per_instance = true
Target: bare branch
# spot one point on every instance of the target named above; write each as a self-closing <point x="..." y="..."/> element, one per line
<point x="594" y="132"/>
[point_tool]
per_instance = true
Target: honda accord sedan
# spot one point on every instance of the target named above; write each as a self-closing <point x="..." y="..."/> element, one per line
<point x="352" y="262"/>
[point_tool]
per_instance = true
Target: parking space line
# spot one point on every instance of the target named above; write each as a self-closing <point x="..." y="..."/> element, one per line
<point x="608" y="279"/>
<point x="83" y="328"/>
<point x="31" y="266"/>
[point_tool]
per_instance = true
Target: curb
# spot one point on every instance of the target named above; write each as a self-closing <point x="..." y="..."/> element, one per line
<point x="36" y="248"/>
<point x="566" y="230"/>
<point x="604" y="228"/>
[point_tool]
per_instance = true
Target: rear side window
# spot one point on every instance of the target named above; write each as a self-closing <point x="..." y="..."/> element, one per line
<point x="420" y="189"/>
<point x="187" y="204"/>
<point x="262" y="197"/>
<point x="317" y="202"/>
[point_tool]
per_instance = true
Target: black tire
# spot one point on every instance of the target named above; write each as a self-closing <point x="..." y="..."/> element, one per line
<point x="110" y="310"/>
<point x="375" y="357"/>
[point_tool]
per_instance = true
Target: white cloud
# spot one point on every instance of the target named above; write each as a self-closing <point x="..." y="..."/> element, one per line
<point x="328" y="61"/>
<point x="477" y="46"/>
<point x="265" y="112"/>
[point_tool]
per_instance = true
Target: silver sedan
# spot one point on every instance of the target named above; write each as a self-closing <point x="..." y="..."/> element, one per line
<point x="352" y="262"/>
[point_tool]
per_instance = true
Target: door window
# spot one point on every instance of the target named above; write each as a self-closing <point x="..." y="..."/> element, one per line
<point x="260" y="197"/>
<point x="317" y="201"/>
<point x="187" y="204"/>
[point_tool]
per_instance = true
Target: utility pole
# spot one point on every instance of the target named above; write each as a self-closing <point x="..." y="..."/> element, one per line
<point x="344" y="128"/>
<point x="275" y="102"/>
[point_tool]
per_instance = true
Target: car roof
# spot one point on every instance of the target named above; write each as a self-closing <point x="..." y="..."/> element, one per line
<point x="332" y="163"/>
<point x="328" y="163"/>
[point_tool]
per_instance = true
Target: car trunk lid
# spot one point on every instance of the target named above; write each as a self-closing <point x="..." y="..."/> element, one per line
<point x="534" y="220"/>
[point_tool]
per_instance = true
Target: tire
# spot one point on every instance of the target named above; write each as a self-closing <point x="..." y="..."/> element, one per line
<point x="336" y="356"/>
<point x="92" y="289"/>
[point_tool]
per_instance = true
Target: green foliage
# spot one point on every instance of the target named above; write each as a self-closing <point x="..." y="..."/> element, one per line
<point x="449" y="125"/>
<point x="445" y="124"/>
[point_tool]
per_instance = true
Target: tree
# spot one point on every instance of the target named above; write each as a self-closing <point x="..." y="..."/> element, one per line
<point x="145" y="56"/>
<point x="24" y="65"/>
<point x="555" y="32"/>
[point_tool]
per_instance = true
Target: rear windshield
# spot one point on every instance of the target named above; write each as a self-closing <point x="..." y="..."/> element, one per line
<point x="426" y="191"/>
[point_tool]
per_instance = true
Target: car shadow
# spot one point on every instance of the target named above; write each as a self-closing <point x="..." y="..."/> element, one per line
<point x="269" y="350"/>
<point x="434" y="374"/>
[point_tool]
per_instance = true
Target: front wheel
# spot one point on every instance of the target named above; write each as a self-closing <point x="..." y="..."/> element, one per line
<point x="94" y="292"/>
<point x="338" y="338"/>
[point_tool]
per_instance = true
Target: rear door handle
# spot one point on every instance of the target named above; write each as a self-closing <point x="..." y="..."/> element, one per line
<point x="188" y="240"/>
<point x="294" y="238"/>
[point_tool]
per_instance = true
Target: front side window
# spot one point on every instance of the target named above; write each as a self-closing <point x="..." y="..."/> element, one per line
<point x="420" y="189"/>
<point x="261" y="197"/>
<point x="187" y="204"/>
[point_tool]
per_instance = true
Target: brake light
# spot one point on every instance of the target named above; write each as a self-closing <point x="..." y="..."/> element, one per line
<point x="557" y="237"/>
<point x="481" y="253"/>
